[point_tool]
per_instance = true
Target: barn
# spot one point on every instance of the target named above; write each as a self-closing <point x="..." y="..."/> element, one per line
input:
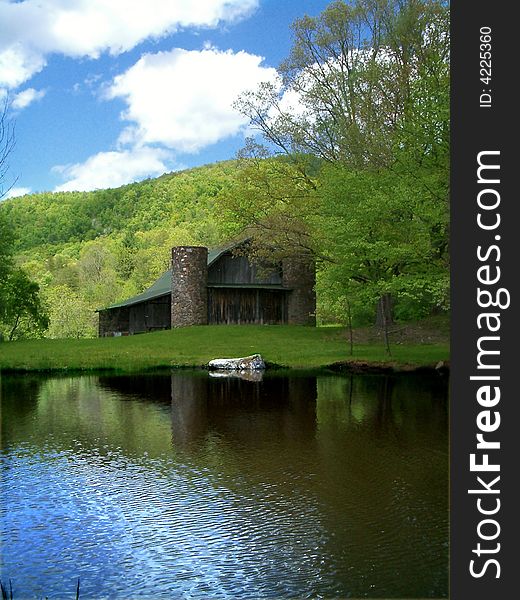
<point x="221" y="286"/>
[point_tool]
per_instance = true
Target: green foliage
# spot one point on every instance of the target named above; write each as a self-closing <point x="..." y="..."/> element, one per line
<point x="365" y="73"/>
<point x="70" y="315"/>
<point x="53" y="220"/>
<point x="270" y="198"/>
<point x="377" y="229"/>
<point x="21" y="312"/>
<point x="6" y="248"/>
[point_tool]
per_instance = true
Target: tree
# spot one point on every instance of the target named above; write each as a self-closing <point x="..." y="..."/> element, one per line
<point x="6" y="261"/>
<point x="6" y="235"/>
<point x="70" y="315"/>
<point x="271" y="199"/>
<point x="6" y="247"/>
<point x="21" y="313"/>
<point x="361" y="78"/>
<point x="97" y="274"/>
<point x="365" y="92"/>
<point x="377" y="230"/>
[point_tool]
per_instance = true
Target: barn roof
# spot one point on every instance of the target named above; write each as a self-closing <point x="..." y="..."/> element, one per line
<point x="163" y="286"/>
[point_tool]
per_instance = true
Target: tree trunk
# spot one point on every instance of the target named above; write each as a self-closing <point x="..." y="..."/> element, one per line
<point x="385" y="311"/>
<point x="11" y="334"/>
<point x="349" y="326"/>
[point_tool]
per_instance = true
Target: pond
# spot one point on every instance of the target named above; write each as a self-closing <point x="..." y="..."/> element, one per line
<point x="184" y="485"/>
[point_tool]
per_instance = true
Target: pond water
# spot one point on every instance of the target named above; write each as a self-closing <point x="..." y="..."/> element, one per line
<point x="185" y="485"/>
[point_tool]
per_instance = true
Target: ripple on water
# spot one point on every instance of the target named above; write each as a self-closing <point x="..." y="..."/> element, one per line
<point x="112" y="516"/>
<point x="304" y="512"/>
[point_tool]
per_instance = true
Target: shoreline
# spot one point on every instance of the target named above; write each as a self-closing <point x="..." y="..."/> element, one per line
<point x="355" y="367"/>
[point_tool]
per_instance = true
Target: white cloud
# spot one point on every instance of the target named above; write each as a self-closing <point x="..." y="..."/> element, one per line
<point x="113" y="169"/>
<point x="18" y="63"/>
<point x="30" y="30"/>
<point x="14" y="192"/>
<point x="23" y="99"/>
<point x="183" y="99"/>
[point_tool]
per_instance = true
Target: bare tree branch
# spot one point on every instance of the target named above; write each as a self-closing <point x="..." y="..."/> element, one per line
<point x="7" y="143"/>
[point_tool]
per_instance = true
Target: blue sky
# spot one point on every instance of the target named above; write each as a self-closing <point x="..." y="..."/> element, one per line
<point x="105" y="92"/>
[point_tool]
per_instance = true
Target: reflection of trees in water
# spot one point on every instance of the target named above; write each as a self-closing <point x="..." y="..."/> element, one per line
<point x="278" y="407"/>
<point x="190" y="411"/>
<point x="384" y="415"/>
<point x="20" y="389"/>
<point x="152" y="387"/>
<point x="189" y="408"/>
<point x="18" y="399"/>
<point x="386" y="404"/>
<point x="384" y="446"/>
<point x="91" y="415"/>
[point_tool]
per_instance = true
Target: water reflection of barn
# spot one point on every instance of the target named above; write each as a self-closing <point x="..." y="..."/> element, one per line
<point x="217" y="287"/>
<point x="240" y="411"/>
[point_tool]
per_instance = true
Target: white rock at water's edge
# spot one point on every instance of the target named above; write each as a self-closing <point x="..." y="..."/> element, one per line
<point x="247" y="363"/>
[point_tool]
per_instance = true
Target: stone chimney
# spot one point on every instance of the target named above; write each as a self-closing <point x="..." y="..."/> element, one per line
<point x="189" y="286"/>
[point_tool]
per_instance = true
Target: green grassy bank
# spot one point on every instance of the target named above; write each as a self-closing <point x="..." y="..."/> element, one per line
<point x="287" y="346"/>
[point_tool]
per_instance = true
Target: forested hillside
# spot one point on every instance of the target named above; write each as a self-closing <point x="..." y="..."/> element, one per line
<point x="89" y="249"/>
<point x="49" y="219"/>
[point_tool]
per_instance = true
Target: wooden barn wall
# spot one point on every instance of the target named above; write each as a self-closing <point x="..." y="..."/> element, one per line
<point x="243" y="306"/>
<point x="114" y="320"/>
<point x="150" y="316"/>
<point x="138" y="318"/>
<point x="237" y="270"/>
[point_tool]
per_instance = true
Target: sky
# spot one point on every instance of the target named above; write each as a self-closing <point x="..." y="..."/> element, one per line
<point x="107" y="92"/>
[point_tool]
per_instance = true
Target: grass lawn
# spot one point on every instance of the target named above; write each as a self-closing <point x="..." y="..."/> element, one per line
<point x="287" y="346"/>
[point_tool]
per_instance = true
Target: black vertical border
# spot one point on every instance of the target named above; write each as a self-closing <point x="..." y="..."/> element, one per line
<point x="476" y="129"/>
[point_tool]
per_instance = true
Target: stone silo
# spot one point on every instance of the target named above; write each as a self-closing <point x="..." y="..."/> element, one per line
<point x="189" y="286"/>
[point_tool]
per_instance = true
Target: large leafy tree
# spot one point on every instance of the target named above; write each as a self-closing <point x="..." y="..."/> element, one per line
<point x="365" y="91"/>
<point x="6" y="261"/>
<point x="379" y="235"/>
<point x="70" y="316"/>
<point x="22" y="311"/>
<point x="362" y="80"/>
